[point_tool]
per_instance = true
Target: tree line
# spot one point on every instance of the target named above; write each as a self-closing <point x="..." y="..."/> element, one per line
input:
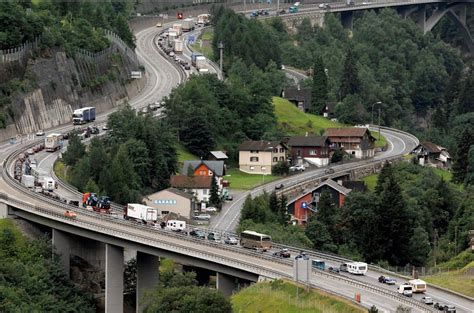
<point x="136" y="157"/>
<point x="32" y="281"/>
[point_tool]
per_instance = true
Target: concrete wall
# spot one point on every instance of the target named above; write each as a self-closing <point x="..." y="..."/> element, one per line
<point x="183" y="206"/>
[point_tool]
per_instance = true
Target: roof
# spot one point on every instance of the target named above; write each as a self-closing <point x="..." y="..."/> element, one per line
<point x="191" y="182"/>
<point x="295" y="94"/>
<point x="431" y="147"/>
<point x="307" y="141"/>
<point x="331" y="183"/>
<point x="215" y="166"/>
<point x="346" y="132"/>
<point x="180" y="193"/>
<point x="262" y="145"/>
<point x="219" y="154"/>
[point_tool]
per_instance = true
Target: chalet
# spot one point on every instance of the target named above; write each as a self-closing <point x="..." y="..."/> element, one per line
<point x="301" y="208"/>
<point x="313" y="149"/>
<point x="300" y="97"/>
<point x="328" y="110"/>
<point x="430" y="154"/>
<point x="203" y="168"/>
<point x="258" y="157"/>
<point x="355" y="141"/>
<point x="199" y="186"/>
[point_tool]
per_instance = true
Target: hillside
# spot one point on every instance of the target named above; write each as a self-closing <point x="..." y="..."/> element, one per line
<point x="461" y="280"/>
<point x="281" y="297"/>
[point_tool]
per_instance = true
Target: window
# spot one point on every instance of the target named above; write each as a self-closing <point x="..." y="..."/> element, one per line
<point x="204" y="191"/>
<point x="282" y="150"/>
<point x="253" y="159"/>
<point x="282" y="158"/>
<point x="275" y="150"/>
<point x="312" y="152"/>
<point x="202" y="173"/>
<point x="275" y="159"/>
<point x="165" y="212"/>
<point x="298" y="152"/>
<point x="253" y="151"/>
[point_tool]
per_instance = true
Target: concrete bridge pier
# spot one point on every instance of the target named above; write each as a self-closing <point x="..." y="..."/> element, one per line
<point x="3" y="210"/>
<point x="147" y="275"/>
<point x="113" y="279"/>
<point x="225" y="283"/>
<point x="421" y="18"/>
<point x="347" y="19"/>
<point x="62" y="244"/>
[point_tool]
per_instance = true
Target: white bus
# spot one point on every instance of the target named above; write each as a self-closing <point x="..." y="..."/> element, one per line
<point x="356" y="268"/>
<point x="253" y="240"/>
<point x="418" y="285"/>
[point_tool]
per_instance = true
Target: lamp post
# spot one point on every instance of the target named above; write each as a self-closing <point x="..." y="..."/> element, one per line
<point x="372" y="116"/>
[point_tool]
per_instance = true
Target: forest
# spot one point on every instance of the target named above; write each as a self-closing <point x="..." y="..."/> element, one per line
<point x="32" y="281"/>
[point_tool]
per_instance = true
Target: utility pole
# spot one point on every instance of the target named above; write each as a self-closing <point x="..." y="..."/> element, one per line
<point x="278" y="7"/>
<point x="379" y="122"/>
<point x="372" y="116"/>
<point x="221" y="55"/>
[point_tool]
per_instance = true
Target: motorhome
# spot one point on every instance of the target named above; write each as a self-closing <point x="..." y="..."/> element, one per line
<point x="356" y="268"/>
<point x="176" y="225"/>
<point x="418" y="285"/>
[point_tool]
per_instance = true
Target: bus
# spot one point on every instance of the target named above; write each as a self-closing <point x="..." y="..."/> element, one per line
<point x="253" y="240"/>
<point x="418" y="285"/>
<point x="318" y="264"/>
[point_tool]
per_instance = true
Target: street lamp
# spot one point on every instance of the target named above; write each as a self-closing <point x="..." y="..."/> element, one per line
<point x="372" y="116"/>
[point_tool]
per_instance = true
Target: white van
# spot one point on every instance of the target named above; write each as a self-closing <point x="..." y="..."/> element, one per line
<point x="418" y="285"/>
<point x="406" y="290"/>
<point x="356" y="268"/>
<point x="176" y="225"/>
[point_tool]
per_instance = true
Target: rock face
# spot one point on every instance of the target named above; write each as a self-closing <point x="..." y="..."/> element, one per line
<point x="58" y="85"/>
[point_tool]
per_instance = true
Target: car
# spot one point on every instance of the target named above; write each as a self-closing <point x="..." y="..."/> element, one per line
<point x="210" y="209"/>
<point x="329" y="171"/>
<point x="265" y="12"/>
<point x="387" y="280"/>
<point x="171" y="54"/>
<point x="229" y="197"/>
<point x="230" y="240"/>
<point x="203" y="217"/>
<point x="427" y="300"/>
<point x="333" y="270"/>
<point x="197" y="233"/>
<point x="279" y="186"/>
<point x="214" y="236"/>
<point x="302" y="255"/>
<point x="40" y="133"/>
<point x="105" y="127"/>
<point x="324" y="6"/>
<point x="187" y="67"/>
<point x="282" y="12"/>
<point x="30" y="151"/>
<point x="439" y="306"/>
<point x="366" y="2"/>
<point x="284" y="253"/>
<point x="159" y="24"/>
<point x="449" y="308"/>
<point x="297" y="168"/>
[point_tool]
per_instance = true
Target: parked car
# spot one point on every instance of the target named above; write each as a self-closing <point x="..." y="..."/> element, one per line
<point x="297" y="168"/>
<point x="40" y="133"/>
<point x="329" y="171"/>
<point x="203" y="217"/>
<point x="284" y="253"/>
<point x="105" y="127"/>
<point x="197" y="233"/>
<point x="210" y="209"/>
<point x="214" y="236"/>
<point x="229" y="197"/>
<point x="449" y="308"/>
<point x="230" y="240"/>
<point x="333" y="270"/>
<point x="427" y="300"/>
<point x="279" y="186"/>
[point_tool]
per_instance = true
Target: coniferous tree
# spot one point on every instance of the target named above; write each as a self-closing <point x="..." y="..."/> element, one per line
<point x="350" y="83"/>
<point x="282" y="212"/>
<point x="75" y="150"/>
<point x="319" y="91"/>
<point x="466" y="96"/>
<point x="461" y="158"/>
<point x="469" y="180"/>
<point x="273" y="203"/>
<point x="215" y="199"/>
<point x="386" y="172"/>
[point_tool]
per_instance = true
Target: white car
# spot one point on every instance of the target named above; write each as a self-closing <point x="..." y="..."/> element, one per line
<point x="323" y="6"/>
<point x="210" y="209"/>
<point x="40" y="133"/>
<point x="295" y="168"/>
<point x="105" y="127"/>
<point x="203" y="217"/>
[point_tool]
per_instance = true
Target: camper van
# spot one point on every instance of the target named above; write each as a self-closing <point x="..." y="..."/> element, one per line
<point x="356" y="268"/>
<point x="176" y="225"/>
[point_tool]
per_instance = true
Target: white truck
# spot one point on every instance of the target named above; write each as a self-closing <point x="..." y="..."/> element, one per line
<point x="140" y="212"/>
<point x="83" y="115"/>
<point x="48" y="183"/>
<point x="172" y="36"/>
<point x="178" y="28"/>
<point x="201" y="62"/>
<point x="188" y="25"/>
<point x="176" y="225"/>
<point x="28" y="180"/>
<point x="52" y="142"/>
<point x="178" y="46"/>
<point x="405" y="289"/>
<point x="203" y="20"/>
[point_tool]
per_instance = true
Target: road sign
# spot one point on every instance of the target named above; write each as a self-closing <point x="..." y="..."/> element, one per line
<point x="191" y="39"/>
<point x="136" y="74"/>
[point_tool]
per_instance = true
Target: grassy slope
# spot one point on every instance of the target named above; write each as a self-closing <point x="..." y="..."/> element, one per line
<point x="294" y="122"/>
<point x="281" y="297"/>
<point x="243" y="181"/>
<point x="184" y="154"/>
<point x="206" y="49"/>
<point x="461" y="281"/>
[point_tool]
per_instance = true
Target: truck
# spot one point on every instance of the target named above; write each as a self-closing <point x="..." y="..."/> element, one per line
<point x="188" y="25"/>
<point x="83" y="115"/>
<point x="178" y="28"/>
<point x="194" y="55"/>
<point x="28" y="180"/>
<point x="140" y="212"/>
<point x="172" y="36"/>
<point x="48" y="183"/>
<point x="52" y="142"/>
<point x="92" y="202"/>
<point x="293" y="9"/>
<point x="200" y="62"/>
<point x="176" y="225"/>
<point x="178" y="46"/>
<point x="203" y="19"/>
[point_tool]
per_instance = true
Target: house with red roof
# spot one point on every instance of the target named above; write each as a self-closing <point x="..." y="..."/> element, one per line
<point x="356" y="141"/>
